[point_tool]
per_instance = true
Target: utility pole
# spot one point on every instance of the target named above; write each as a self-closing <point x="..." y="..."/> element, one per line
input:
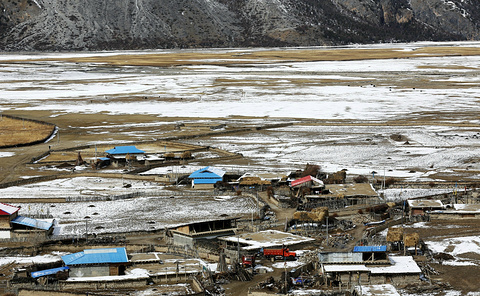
<point x="86" y="231"/>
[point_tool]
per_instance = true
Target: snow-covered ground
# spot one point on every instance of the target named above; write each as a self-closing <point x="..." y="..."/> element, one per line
<point x="456" y="247"/>
<point x="81" y="186"/>
<point x="362" y="150"/>
<point x="270" y="91"/>
<point x="156" y="210"/>
<point x="348" y="91"/>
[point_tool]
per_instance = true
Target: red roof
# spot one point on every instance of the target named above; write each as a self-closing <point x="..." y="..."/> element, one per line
<point x="304" y="180"/>
<point x="6" y="209"/>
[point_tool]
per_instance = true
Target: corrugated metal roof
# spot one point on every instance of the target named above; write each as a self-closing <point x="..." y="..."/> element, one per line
<point x="97" y="256"/>
<point x="207" y="173"/>
<point x="340" y="257"/>
<point x="125" y="150"/>
<point x="207" y="181"/>
<point x="365" y="249"/>
<point x="6" y="209"/>
<point x="21" y="220"/>
<point x="45" y="272"/>
<point x="306" y="179"/>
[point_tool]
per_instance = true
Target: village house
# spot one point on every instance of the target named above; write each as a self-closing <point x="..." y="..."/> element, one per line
<point x="400" y="270"/>
<point x="355" y="193"/>
<point x="189" y="234"/>
<point x="7" y="214"/>
<point x="97" y="262"/>
<point x="121" y="155"/>
<point x="206" y="178"/>
<point x="265" y="239"/>
<point x="12" y="225"/>
<point x="314" y="185"/>
<point x="457" y="211"/>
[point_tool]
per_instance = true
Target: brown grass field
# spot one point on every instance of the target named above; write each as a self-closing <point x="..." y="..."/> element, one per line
<point x="268" y="56"/>
<point x="16" y="131"/>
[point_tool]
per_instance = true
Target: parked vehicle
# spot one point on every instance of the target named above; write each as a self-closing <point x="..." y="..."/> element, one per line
<point x="283" y="253"/>
<point x="248" y="260"/>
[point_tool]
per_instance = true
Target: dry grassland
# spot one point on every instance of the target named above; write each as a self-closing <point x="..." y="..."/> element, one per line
<point x="17" y="132"/>
<point x="269" y="56"/>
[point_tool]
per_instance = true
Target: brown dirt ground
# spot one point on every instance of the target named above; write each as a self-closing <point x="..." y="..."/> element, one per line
<point x="461" y="278"/>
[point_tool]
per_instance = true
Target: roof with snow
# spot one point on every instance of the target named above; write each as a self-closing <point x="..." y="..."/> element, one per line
<point x="125" y="150"/>
<point x="97" y="256"/>
<point x="400" y="264"/>
<point x="368" y="249"/>
<point x="21" y="220"/>
<point x="344" y="267"/>
<point x="6" y="209"/>
<point x="207" y="173"/>
<point x="45" y="272"/>
<point x="306" y="179"/>
<point x="266" y="239"/>
<point x="377" y="290"/>
<point x="424" y="203"/>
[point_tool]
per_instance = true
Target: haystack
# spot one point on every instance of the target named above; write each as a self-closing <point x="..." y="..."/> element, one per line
<point x="395" y="234"/>
<point x="316" y="215"/>
<point x="411" y="239"/>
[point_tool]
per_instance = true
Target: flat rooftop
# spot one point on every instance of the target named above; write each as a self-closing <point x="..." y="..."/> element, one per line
<point x="266" y="239"/>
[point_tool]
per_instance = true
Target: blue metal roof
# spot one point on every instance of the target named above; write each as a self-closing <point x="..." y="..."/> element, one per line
<point x="365" y="249"/>
<point x="32" y="222"/>
<point x="207" y="173"/>
<point x="97" y="256"/>
<point x="206" y="181"/>
<point x="104" y="158"/>
<point x="45" y="272"/>
<point x="125" y="150"/>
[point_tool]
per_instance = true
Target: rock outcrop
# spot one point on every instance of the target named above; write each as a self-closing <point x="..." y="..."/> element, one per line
<point x="138" y="24"/>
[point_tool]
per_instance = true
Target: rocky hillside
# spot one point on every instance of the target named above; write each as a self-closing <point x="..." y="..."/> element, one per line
<point x="135" y="24"/>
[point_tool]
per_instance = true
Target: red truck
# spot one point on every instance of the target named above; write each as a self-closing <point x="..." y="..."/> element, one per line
<point x="248" y="261"/>
<point x="279" y="253"/>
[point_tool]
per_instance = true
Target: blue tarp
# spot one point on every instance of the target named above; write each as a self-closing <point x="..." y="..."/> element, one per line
<point x="365" y="249"/>
<point x="125" y="150"/>
<point x="97" y="256"/>
<point x="32" y="222"/>
<point x="45" y="272"/>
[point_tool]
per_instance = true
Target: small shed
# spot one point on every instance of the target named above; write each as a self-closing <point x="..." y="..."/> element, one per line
<point x="419" y="207"/>
<point x="372" y="253"/>
<point x="7" y="214"/>
<point x="206" y="178"/>
<point x="59" y="272"/>
<point x="27" y="227"/>
<point x="187" y="235"/>
<point x="97" y="262"/>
